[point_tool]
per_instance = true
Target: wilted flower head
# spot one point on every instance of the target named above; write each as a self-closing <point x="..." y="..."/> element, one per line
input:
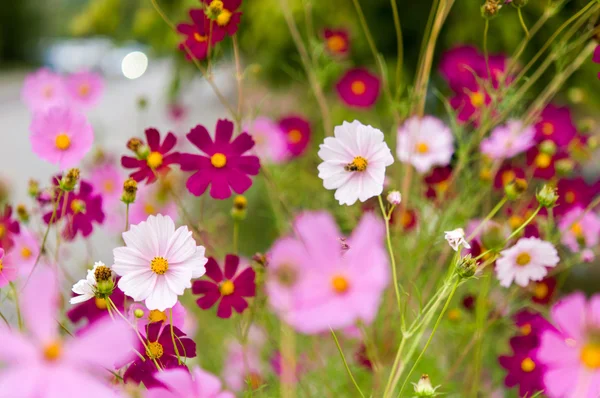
<point x="98" y="283"/>
<point x="455" y="238"/>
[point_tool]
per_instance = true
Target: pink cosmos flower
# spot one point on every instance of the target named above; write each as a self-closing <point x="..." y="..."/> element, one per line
<point x="573" y="193"/>
<point x="9" y="228"/>
<point x="107" y="179"/>
<point x="556" y="125"/>
<point x="149" y="201"/>
<point x="271" y="146"/>
<point x="8" y="271"/>
<point x="223" y="164"/>
<point x="358" y="88"/>
<point x="296" y="131"/>
<point x="508" y="140"/>
<point x="227" y="19"/>
<point x="196" y="42"/>
<point x="528" y="260"/>
<point x="425" y="142"/>
<point x="43" y="89"/>
<point x="24" y="252"/>
<point x="163" y="318"/>
<point x="337" y="41"/>
<point x="310" y="280"/>
<point x="579" y="230"/>
<point x="61" y="135"/>
<point x="243" y="365"/>
<point x="85" y="88"/>
<point x="41" y="363"/>
<point x="180" y="383"/>
<point x="571" y="353"/>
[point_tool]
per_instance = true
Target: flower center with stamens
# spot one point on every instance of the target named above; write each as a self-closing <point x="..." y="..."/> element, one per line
<point x="422" y="147"/>
<point x="154" y="160"/>
<point x="226" y="288"/>
<point x="577" y="230"/>
<point x="540" y="290"/>
<point x="102" y="273"/>
<point x="25" y="252"/>
<point x="340" y="284"/>
<point x="358" y="88"/>
<point x="590" y="355"/>
<point x="224" y="17"/>
<point x="101" y="303"/>
<point x="515" y="221"/>
<point x="159" y="265"/>
<point x="525" y="329"/>
<point x="547" y="128"/>
<point x="84" y="90"/>
<point x="2" y="231"/>
<point x="523" y="259"/>
<point x="336" y="43"/>
<point x="570" y="197"/>
<point x="52" y="351"/>
<point x="508" y="176"/>
<point x="358" y="164"/>
<point x="155" y="316"/>
<point x="294" y="136"/>
<point x="77" y="206"/>
<point x="477" y="99"/>
<point x="200" y="38"/>
<point x="62" y="142"/>
<point x="218" y="160"/>
<point x="527" y="365"/>
<point x="155" y="350"/>
<point x="109" y="186"/>
<point x="543" y="160"/>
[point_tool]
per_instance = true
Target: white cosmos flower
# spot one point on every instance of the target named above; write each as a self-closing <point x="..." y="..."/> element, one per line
<point x="424" y="143"/>
<point x="354" y="162"/>
<point x="456" y="238"/>
<point x="528" y="260"/>
<point x="86" y="288"/>
<point x="158" y="262"/>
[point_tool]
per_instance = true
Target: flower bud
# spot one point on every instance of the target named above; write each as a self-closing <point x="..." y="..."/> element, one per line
<point x="519" y="3"/>
<point x="33" y="188"/>
<point x="240" y="202"/>
<point x="547" y="196"/>
<point x="134" y="144"/>
<point x="23" y="213"/>
<point x="490" y="9"/>
<point x="548" y="147"/>
<point x="466" y="267"/>
<point x="394" y="198"/>
<point x="139" y="313"/>
<point x="69" y="180"/>
<point x="424" y="388"/>
<point x="515" y="188"/>
<point x="129" y="191"/>
<point x="105" y="288"/>
<point x="564" y="166"/>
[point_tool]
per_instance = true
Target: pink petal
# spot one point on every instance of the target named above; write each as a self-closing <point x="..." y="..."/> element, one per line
<point x="39" y="303"/>
<point x="569" y="315"/>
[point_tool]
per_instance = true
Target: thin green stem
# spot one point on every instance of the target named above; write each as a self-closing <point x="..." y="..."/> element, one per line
<point x="386" y="217"/>
<point x="127" y="217"/>
<point x="173" y="336"/>
<point x="236" y="233"/>
<point x="526" y="223"/>
<point x="17" y="306"/>
<point x="337" y="343"/>
<point x="486" y="54"/>
<point x="487" y="218"/>
<point x="523" y="25"/>
<point x="399" y="45"/>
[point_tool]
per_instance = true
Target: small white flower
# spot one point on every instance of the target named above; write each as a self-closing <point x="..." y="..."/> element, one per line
<point x="394" y="198"/>
<point x="354" y="162"/>
<point x="86" y="288"/>
<point x="528" y="260"/>
<point x="456" y="238"/>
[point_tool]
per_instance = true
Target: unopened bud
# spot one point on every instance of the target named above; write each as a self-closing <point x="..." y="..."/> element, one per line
<point x="129" y="191"/>
<point x="564" y="166"/>
<point x="23" y="213"/>
<point x="548" y="147"/>
<point x="490" y="9"/>
<point x="134" y="144"/>
<point x="138" y="313"/>
<point x="466" y="267"/>
<point x="515" y="188"/>
<point x="424" y="388"/>
<point x="240" y="202"/>
<point x="394" y="198"/>
<point x="547" y="196"/>
<point x="33" y="188"/>
<point x="69" y="180"/>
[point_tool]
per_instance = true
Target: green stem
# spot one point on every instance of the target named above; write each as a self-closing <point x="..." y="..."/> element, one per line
<point x="337" y="343"/>
<point x="530" y="219"/>
<point x="487" y="218"/>
<point x="236" y="233"/>
<point x="127" y="217"/>
<point x="386" y="216"/>
<point x="400" y="55"/>
<point x="17" y="306"/>
<point x="523" y="22"/>
<point x="173" y="337"/>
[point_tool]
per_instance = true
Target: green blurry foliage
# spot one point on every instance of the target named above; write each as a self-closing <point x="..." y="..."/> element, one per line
<point x="20" y="27"/>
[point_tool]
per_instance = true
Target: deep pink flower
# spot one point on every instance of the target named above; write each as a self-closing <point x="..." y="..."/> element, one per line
<point x="160" y="348"/>
<point x="223" y="163"/>
<point x="556" y="125"/>
<point x="85" y="88"/>
<point x="469" y="104"/>
<point x="543" y="291"/>
<point x="94" y="310"/>
<point x="230" y="287"/>
<point x="42" y="364"/>
<point x="358" y="88"/>
<point x="460" y="66"/>
<point x="43" y="89"/>
<point x="158" y="161"/>
<point x="227" y="19"/>
<point x="530" y="326"/>
<point x="8" y="228"/>
<point x="337" y="42"/>
<point x="297" y="132"/>
<point x="82" y="209"/>
<point x="179" y="383"/>
<point x="573" y="193"/>
<point x="61" y="135"/>
<point x="437" y="181"/>
<point x="507" y="174"/>
<point x="523" y="370"/>
<point x="543" y="164"/>
<point x="196" y="35"/>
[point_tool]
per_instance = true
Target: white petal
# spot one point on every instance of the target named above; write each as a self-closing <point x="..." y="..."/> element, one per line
<point x="139" y="284"/>
<point x="161" y="296"/>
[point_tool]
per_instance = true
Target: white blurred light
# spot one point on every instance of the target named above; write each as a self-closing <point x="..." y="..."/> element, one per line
<point x="134" y="64"/>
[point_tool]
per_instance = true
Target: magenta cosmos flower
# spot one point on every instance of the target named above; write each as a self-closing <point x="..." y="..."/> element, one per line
<point x="226" y="16"/>
<point x="507" y="174"/>
<point x="223" y="163"/>
<point x="271" y="145"/>
<point x="523" y="370"/>
<point x="573" y="193"/>
<point x="196" y="35"/>
<point x="94" y="310"/>
<point x="571" y="353"/>
<point x="337" y="42"/>
<point x="297" y="133"/>
<point x="157" y="161"/>
<point x="543" y="164"/>
<point x="9" y="227"/>
<point x="83" y="208"/>
<point x="43" y="89"/>
<point x="160" y="348"/>
<point x="85" y="88"/>
<point x="556" y="125"/>
<point x="460" y="67"/>
<point x="179" y="383"/>
<point x="230" y="287"/>
<point x="311" y="277"/>
<point x="358" y="88"/>
<point x="61" y="135"/>
<point x="42" y="364"/>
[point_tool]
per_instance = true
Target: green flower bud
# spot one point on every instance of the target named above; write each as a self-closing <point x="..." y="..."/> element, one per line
<point x="547" y="196"/>
<point x="466" y="267"/>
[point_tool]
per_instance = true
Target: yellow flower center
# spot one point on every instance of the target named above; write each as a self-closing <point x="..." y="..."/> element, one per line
<point x="358" y="164"/>
<point x="527" y="365"/>
<point x="62" y="142"/>
<point x="540" y="290"/>
<point x="570" y="197"/>
<point x="577" y="230"/>
<point x="542" y="160"/>
<point x="422" y="147"/>
<point x="155" y="316"/>
<point x="155" y="350"/>
<point x="523" y="259"/>
<point x="1" y="266"/>
<point x="525" y="329"/>
<point x="109" y="186"/>
<point x="515" y="221"/>
<point x="154" y="160"/>
<point x="590" y="355"/>
<point x="200" y="38"/>
<point x="406" y="218"/>
<point x="477" y="99"/>
<point x="77" y="206"/>
<point x="149" y="209"/>
<point x="358" y="88"/>
<point x="485" y="174"/>
<point x="340" y="284"/>
<point x="454" y="314"/>
<point x="227" y="288"/>
<point x="216" y="6"/>
<point x="443" y="186"/>
<point x="547" y="128"/>
<point x="101" y="303"/>
<point x="508" y="176"/>
<point x="294" y="136"/>
<point x="84" y="90"/>
<point x="48" y="92"/>
<point x="25" y="252"/>
<point x="218" y="160"/>
<point x="336" y="43"/>
<point x="159" y="265"/>
<point x="254" y="380"/>
<point x="224" y="17"/>
<point x="2" y="231"/>
<point x="52" y="351"/>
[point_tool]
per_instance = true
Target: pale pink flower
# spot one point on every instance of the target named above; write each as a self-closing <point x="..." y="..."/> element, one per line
<point x="528" y="260"/>
<point x="8" y="271"/>
<point x="587" y="255"/>
<point x="508" y="140"/>
<point x="26" y="248"/>
<point x="85" y="88"/>
<point x="243" y="364"/>
<point x="61" y="136"/>
<point x="271" y="145"/>
<point x="425" y="142"/>
<point x="156" y="316"/>
<point x="108" y="180"/>
<point x="43" y="89"/>
<point x="571" y="352"/>
<point x="151" y="201"/>
<point x="158" y="262"/>
<point x="182" y="384"/>
<point x="579" y="230"/>
<point x="43" y="364"/>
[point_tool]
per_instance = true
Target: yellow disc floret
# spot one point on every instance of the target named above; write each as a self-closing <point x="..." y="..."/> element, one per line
<point x="155" y="350"/>
<point x="523" y="259"/>
<point x="62" y="142"/>
<point x="218" y="160"/>
<point x="590" y="355"/>
<point x="159" y="265"/>
<point x="358" y="164"/>
<point x="340" y="284"/>
<point x="227" y="288"/>
<point x="155" y="160"/>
